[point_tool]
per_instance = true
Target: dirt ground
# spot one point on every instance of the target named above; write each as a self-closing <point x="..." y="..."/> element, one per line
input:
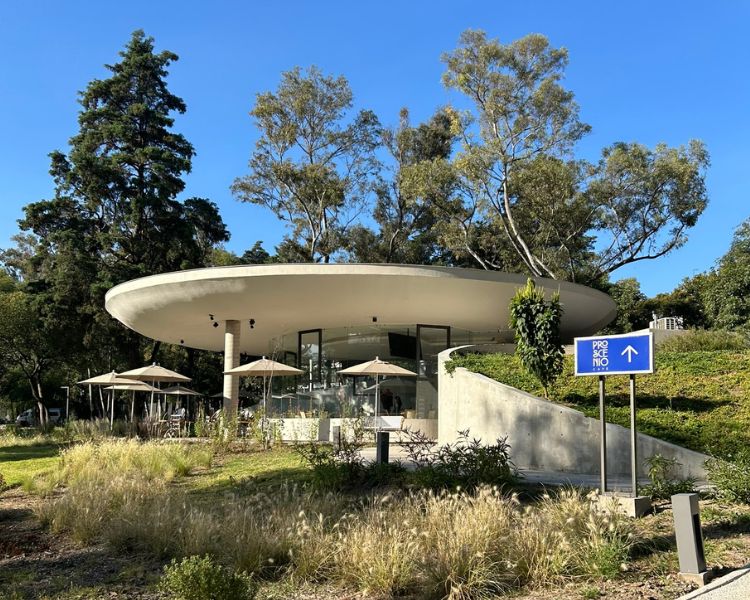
<point x="37" y="564"/>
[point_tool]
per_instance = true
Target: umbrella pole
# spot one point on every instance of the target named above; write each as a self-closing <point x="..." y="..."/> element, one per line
<point x="377" y="401"/>
<point x="112" y="412"/>
<point x="132" y="407"/>
<point x="263" y="423"/>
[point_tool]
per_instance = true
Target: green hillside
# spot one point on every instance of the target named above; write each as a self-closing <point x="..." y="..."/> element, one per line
<point x="700" y="400"/>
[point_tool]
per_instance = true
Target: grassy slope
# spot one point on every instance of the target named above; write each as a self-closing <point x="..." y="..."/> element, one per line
<point x="700" y="400"/>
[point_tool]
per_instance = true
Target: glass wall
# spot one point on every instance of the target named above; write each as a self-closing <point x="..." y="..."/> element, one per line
<point x="322" y="353"/>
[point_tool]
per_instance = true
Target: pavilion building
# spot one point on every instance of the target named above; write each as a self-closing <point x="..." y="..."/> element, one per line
<point x="323" y="318"/>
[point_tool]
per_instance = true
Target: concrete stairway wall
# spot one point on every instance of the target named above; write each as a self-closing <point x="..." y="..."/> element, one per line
<point x="543" y="435"/>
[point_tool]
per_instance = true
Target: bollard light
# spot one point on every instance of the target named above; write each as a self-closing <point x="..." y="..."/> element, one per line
<point x="687" y="527"/>
<point x="381" y="447"/>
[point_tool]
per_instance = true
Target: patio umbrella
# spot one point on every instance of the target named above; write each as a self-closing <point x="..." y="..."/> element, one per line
<point x="133" y="386"/>
<point x="377" y="367"/>
<point x="289" y="397"/>
<point x="107" y="379"/>
<point x="179" y="391"/>
<point x="264" y="367"/>
<point x="153" y="374"/>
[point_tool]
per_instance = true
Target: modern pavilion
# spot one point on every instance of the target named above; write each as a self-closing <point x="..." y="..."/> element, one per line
<point x="323" y="318"/>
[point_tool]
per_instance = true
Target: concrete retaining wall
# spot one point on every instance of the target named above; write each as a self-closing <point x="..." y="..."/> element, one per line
<point x="543" y="435"/>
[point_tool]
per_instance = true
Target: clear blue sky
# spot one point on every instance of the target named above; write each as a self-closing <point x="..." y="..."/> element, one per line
<point x="641" y="71"/>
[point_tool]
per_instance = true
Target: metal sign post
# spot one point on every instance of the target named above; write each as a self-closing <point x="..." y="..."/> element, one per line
<point x="633" y="440"/>
<point x="602" y="435"/>
<point x="627" y="354"/>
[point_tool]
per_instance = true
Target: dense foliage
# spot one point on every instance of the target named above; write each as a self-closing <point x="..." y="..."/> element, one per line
<point x="536" y="323"/>
<point x="731" y="476"/>
<point x="114" y="216"/>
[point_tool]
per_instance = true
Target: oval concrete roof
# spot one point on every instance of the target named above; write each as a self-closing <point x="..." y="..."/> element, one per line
<point x="285" y="298"/>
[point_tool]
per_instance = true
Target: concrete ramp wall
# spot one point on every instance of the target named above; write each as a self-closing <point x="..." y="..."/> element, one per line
<point x="543" y="435"/>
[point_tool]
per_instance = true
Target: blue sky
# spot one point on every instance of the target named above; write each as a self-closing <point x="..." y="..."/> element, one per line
<point x="641" y="71"/>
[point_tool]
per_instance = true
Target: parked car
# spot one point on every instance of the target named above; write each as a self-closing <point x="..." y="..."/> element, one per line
<point x="30" y="417"/>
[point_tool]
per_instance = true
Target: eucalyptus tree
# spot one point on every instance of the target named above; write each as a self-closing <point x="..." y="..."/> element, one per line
<point x="517" y="177"/>
<point x="404" y="209"/>
<point x="314" y="162"/>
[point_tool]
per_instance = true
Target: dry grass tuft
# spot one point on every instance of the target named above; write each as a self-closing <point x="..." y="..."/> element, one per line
<point x="454" y="545"/>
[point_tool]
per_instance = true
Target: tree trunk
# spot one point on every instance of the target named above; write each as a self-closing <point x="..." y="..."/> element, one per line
<point x="36" y="392"/>
<point x="154" y="352"/>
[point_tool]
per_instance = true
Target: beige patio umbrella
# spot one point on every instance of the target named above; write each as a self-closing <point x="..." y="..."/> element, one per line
<point x="265" y="368"/>
<point x="107" y="379"/>
<point x="377" y="367"/>
<point x="133" y="386"/>
<point x="155" y="374"/>
<point x="179" y="391"/>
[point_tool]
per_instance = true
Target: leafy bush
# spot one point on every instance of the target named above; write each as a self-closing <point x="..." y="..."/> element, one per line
<point x="466" y="463"/>
<point x="731" y="477"/>
<point x="337" y="467"/>
<point x="697" y="340"/>
<point x="664" y="484"/>
<point x="537" y="326"/>
<point x="200" y="578"/>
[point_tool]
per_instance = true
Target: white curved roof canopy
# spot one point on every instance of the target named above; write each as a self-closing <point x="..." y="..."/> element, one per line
<point x="285" y="298"/>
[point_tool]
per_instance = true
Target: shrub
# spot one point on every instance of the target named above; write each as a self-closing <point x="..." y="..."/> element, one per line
<point x="697" y="340"/>
<point x="664" y="484"/>
<point x="200" y="578"/>
<point x="466" y="463"/>
<point x="537" y="326"/>
<point x="336" y="468"/>
<point x="731" y="477"/>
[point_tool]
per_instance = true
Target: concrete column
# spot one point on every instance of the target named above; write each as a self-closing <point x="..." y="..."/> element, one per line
<point x="231" y="360"/>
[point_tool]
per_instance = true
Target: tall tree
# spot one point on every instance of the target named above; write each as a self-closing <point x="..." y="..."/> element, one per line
<point x="725" y="290"/>
<point x="29" y="343"/>
<point x="115" y="213"/>
<point x="516" y="177"/>
<point x="405" y="208"/>
<point x="313" y="164"/>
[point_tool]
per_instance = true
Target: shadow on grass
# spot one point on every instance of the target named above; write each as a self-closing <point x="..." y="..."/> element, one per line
<point x="16" y="453"/>
<point x="252" y="484"/>
<point x="731" y="526"/>
<point x="676" y="404"/>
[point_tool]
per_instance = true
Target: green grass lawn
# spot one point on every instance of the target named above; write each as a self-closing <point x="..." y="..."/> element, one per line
<point x="700" y="400"/>
<point x="22" y="461"/>
<point x="249" y="471"/>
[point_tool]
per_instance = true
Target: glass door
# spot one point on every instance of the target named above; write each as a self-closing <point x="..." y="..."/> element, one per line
<point x="431" y="340"/>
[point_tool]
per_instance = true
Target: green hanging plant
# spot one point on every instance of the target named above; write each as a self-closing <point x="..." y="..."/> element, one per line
<point x="536" y="322"/>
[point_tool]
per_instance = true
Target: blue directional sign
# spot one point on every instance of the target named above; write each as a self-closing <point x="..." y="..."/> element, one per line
<point x="615" y="354"/>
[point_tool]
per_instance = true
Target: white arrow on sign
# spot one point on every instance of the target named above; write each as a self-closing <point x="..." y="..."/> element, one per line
<point x="629" y="350"/>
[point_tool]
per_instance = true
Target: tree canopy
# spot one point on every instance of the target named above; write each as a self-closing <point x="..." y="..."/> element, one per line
<point x="313" y="163"/>
<point x="115" y="214"/>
